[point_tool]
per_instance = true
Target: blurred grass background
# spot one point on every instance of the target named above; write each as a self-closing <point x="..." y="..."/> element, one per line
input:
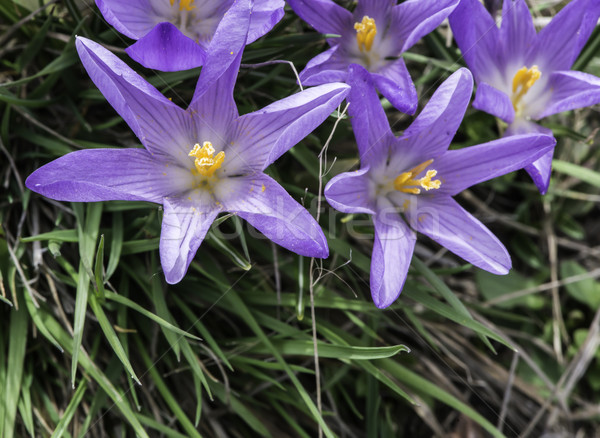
<point x="93" y="343"/>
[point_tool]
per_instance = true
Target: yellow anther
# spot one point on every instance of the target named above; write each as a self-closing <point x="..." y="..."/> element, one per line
<point x="522" y="82"/>
<point x="188" y="5"/>
<point x="406" y="182"/>
<point x="427" y="183"/>
<point x="365" y="33"/>
<point x="205" y="163"/>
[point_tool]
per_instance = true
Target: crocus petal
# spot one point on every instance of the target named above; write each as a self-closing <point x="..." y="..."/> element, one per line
<point x="265" y="15"/>
<point x="213" y="104"/>
<point x="433" y="129"/>
<point x="225" y="51"/>
<point x="107" y="175"/>
<point x="263" y="136"/>
<point x="268" y="208"/>
<point x="540" y="171"/>
<point x="370" y="124"/>
<point x="414" y="19"/>
<point x="495" y="102"/>
<point x="392" y="251"/>
<point x="165" y="48"/>
<point x="446" y="222"/>
<point x="161" y="125"/>
<point x="133" y="18"/>
<point x="350" y="192"/>
<point x="329" y="66"/>
<point x="183" y="230"/>
<point x="570" y="90"/>
<point x="379" y="10"/>
<point x="476" y="34"/>
<point x="460" y="169"/>
<point x="395" y="83"/>
<point x="324" y="15"/>
<point x="517" y="32"/>
<point x="559" y="43"/>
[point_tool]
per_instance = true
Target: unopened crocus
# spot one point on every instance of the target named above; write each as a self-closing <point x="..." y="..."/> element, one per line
<point x="524" y="76"/>
<point x="407" y="183"/>
<point x="176" y="35"/>
<point x="375" y="35"/>
<point x="197" y="162"/>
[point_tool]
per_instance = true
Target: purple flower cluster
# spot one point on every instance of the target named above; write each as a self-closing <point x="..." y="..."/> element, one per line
<point x="207" y="159"/>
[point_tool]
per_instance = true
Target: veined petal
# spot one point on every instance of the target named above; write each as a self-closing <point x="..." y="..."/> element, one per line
<point x="134" y="18"/>
<point x="395" y="83"/>
<point x="225" y="51"/>
<point x="271" y="210"/>
<point x="392" y="252"/>
<point x="446" y="222"/>
<point x="570" y="90"/>
<point x="324" y="15"/>
<point x="433" y="129"/>
<point x="413" y="19"/>
<point x="213" y="102"/>
<point x="183" y="230"/>
<point x="263" y="136"/>
<point x="494" y="102"/>
<point x="329" y="66"/>
<point x="477" y="35"/>
<point x="265" y="15"/>
<point x="162" y="127"/>
<point x="165" y="48"/>
<point x="379" y="10"/>
<point x="517" y="32"/>
<point x="350" y="192"/>
<point x="108" y="175"/>
<point x="460" y="169"/>
<point x="369" y="122"/>
<point x="558" y="44"/>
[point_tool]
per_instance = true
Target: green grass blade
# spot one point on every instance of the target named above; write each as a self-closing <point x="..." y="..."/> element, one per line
<point x="127" y="302"/>
<point x="111" y="336"/>
<point x="116" y="244"/>
<point x="448" y="295"/>
<point x="19" y="322"/>
<point x="239" y="306"/>
<point x="168" y="397"/>
<point x="99" y="269"/>
<point x="68" y="414"/>
<point x="583" y="173"/>
<point x="342" y="352"/>
<point x="92" y="370"/>
<point x="424" y="386"/>
<point x="88" y="233"/>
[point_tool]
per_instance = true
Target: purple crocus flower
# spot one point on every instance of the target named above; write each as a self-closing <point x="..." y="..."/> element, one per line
<point x="375" y="35"/>
<point x="407" y="183"/>
<point x="523" y="75"/>
<point x="176" y="35"/>
<point x="197" y="162"/>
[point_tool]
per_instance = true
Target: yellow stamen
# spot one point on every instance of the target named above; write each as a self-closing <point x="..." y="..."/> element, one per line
<point x="406" y="182"/>
<point x="188" y="5"/>
<point x="365" y="33"/>
<point x="522" y="82"/>
<point x="206" y="164"/>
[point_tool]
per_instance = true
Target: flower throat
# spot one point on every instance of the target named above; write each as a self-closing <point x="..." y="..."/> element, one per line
<point x="522" y="82"/>
<point x="205" y="164"/>
<point x="406" y="182"/>
<point x="187" y="5"/>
